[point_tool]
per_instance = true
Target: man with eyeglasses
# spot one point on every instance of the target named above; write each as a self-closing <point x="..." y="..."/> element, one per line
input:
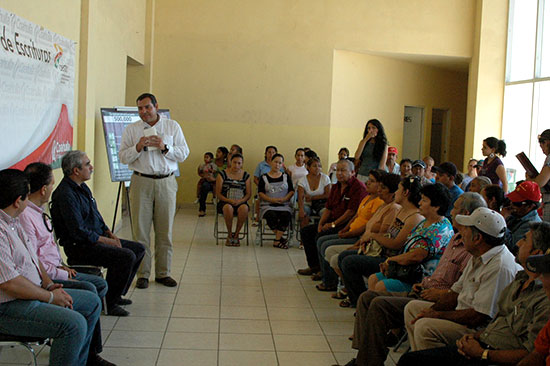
<point x="525" y="202"/>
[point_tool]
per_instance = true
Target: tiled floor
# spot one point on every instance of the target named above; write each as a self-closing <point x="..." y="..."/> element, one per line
<point x="233" y="306"/>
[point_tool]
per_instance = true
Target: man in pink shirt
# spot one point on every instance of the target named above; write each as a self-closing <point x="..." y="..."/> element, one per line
<point x="38" y="227"/>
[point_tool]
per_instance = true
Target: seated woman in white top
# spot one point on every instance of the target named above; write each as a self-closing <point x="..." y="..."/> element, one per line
<point x="343" y="153"/>
<point x="313" y="190"/>
<point x="298" y="170"/>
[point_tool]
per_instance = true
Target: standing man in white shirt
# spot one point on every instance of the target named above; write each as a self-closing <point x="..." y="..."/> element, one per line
<point x="154" y="158"/>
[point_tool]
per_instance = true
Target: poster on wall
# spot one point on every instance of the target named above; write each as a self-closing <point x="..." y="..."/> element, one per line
<point x="37" y="72"/>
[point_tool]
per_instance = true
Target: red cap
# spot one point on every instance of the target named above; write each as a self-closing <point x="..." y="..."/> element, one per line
<point x="526" y="191"/>
<point x="392" y="150"/>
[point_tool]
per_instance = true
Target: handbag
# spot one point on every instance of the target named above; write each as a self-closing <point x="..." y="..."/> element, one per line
<point x="411" y="273"/>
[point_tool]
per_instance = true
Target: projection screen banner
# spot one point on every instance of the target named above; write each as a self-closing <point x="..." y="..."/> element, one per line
<point x="37" y="71"/>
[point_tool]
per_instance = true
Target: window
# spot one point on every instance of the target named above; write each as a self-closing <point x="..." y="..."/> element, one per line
<point x="527" y="91"/>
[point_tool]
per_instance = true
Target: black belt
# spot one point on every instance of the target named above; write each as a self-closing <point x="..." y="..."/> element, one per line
<point x="152" y="176"/>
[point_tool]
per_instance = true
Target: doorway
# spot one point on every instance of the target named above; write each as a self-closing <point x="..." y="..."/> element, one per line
<point x="439" y="140"/>
<point x="412" y="133"/>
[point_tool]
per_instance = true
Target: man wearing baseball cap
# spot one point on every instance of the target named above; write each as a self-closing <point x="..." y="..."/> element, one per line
<point x="446" y="173"/>
<point x="391" y="161"/>
<point x="525" y="202"/>
<point x="472" y="300"/>
<point x="524" y="308"/>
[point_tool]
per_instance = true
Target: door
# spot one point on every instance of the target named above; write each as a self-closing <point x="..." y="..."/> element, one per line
<point x="439" y="140"/>
<point x="412" y="133"/>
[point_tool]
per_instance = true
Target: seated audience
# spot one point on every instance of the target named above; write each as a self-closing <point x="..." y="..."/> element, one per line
<point x="353" y="230"/>
<point x="478" y="183"/>
<point x="405" y="168"/>
<point x="206" y="172"/>
<point x="430" y="162"/>
<point x="523" y="310"/>
<point x="354" y="266"/>
<point x="313" y="191"/>
<point x="473" y="300"/>
<point x="377" y="312"/>
<point x="494" y="196"/>
<point x="424" y="246"/>
<point x="419" y="169"/>
<point x="446" y="175"/>
<point x="343" y="153"/>
<point x="235" y="149"/>
<point x="343" y="201"/>
<point x="380" y="222"/>
<point x="469" y="175"/>
<point x="525" y="202"/>
<point x="275" y="190"/>
<point x="297" y="170"/>
<point x="540" y="356"/>
<point x="233" y="190"/>
<point x="31" y="305"/>
<point x="262" y="168"/>
<point x="85" y="237"/>
<point x="391" y="161"/>
<point x="220" y="163"/>
<point x="492" y="167"/>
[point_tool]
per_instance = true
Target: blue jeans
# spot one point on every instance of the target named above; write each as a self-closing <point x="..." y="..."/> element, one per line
<point x="354" y="267"/>
<point x="88" y="282"/>
<point x="330" y="279"/>
<point x="98" y="286"/>
<point x="71" y="330"/>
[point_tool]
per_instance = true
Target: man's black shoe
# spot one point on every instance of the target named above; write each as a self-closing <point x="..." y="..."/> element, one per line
<point x="124" y="302"/>
<point x="142" y="283"/>
<point x="167" y="281"/>
<point x="117" y="311"/>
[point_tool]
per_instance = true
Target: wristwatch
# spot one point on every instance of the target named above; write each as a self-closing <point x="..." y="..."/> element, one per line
<point x="333" y="225"/>
<point x="166" y="149"/>
<point x="485" y="355"/>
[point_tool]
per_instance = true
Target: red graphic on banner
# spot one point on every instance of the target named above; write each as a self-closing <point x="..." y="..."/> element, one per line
<point x="55" y="146"/>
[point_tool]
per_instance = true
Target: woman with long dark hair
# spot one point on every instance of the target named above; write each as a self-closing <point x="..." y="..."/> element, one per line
<point x="372" y="151"/>
<point x="493" y="168"/>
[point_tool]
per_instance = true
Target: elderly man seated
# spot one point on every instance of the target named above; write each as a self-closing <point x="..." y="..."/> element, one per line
<point x="523" y="309"/>
<point x="472" y="300"/>
<point x="343" y="201"/>
<point x="525" y="202"/>
<point x="31" y="304"/>
<point x="84" y="235"/>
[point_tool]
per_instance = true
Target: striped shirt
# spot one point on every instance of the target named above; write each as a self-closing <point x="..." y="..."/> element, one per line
<point x="16" y="255"/>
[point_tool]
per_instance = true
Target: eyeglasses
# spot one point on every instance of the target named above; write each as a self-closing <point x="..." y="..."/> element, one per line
<point x="519" y="204"/>
<point x="47" y="222"/>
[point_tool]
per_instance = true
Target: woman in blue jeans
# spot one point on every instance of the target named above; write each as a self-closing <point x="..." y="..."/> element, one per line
<point x="383" y="187"/>
<point x="354" y="266"/>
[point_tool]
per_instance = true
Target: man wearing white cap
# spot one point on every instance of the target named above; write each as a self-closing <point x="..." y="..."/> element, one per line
<point x="472" y="300"/>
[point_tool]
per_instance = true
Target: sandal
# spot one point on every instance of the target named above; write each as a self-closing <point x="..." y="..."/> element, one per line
<point x="228" y="242"/>
<point x="282" y="244"/>
<point x="236" y="241"/>
<point x="345" y="303"/>
<point x="322" y="287"/>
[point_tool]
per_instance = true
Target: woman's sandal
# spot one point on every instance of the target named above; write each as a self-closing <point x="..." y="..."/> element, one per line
<point x="282" y="244"/>
<point x="322" y="287"/>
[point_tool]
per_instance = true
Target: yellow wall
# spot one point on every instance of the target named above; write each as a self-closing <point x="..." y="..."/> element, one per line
<point x="261" y="72"/>
<point x="366" y="86"/>
<point x="487" y="70"/>
<point x="275" y="71"/>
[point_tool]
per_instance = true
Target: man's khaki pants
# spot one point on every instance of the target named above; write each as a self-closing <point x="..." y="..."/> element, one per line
<point x="153" y="202"/>
<point x="428" y="333"/>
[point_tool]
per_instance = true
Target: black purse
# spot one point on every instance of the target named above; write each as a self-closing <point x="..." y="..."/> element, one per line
<point x="410" y="274"/>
